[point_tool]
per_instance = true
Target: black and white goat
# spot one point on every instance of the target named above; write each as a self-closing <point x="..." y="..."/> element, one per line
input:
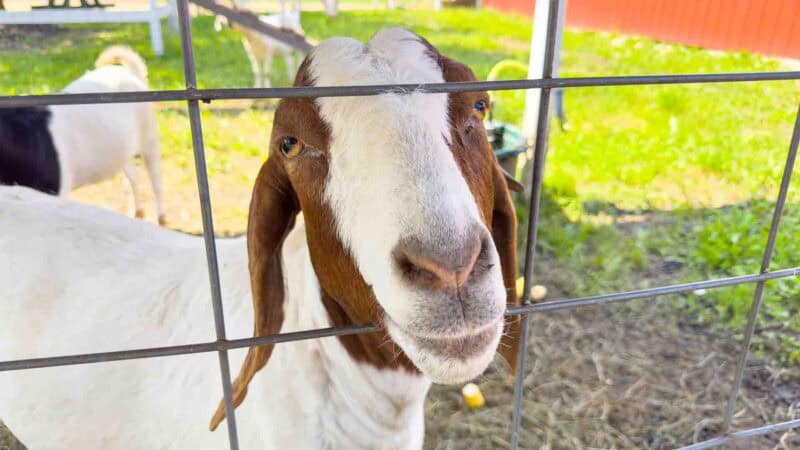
<point x="59" y="148"/>
<point x="389" y="209"/>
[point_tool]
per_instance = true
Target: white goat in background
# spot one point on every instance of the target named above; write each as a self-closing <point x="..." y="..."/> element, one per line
<point x="262" y="49"/>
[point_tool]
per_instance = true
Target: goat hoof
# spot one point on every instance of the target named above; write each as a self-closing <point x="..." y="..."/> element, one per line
<point x="162" y="220"/>
<point x="139" y="214"/>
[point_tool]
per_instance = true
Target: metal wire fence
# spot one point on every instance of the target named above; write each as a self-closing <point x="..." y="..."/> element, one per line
<point x="193" y="96"/>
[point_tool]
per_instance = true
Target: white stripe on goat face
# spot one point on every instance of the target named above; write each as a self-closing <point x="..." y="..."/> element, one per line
<point x="392" y="176"/>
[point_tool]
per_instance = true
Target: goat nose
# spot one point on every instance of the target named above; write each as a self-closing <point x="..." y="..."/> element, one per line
<point x="439" y="265"/>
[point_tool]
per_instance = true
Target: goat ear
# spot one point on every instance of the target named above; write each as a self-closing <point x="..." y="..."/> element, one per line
<point x="273" y="209"/>
<point x="504" y="233"/>
<point x="512" y="182"/>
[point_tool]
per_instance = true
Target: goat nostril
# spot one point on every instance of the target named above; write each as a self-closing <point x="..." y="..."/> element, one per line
<point x="421" y="265"/>
<point x="422" y="269"/>
<point x="473" y="254"/>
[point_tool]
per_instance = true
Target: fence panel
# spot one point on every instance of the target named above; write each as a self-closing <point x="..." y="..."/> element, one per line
<point x="222" y="345"/>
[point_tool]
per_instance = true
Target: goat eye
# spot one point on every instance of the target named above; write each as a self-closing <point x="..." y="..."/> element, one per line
<point x="481" y="106"/>
<point x="291" y="147"/>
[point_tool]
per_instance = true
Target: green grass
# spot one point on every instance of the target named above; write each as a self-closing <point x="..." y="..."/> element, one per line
<point x="698" y="164"/>
<point x="632" y="146"/>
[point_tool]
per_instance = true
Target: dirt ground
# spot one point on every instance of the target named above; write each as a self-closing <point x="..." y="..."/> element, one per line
<point x="7" y="440"/>
<point x="17" y="37"/>
<point x="619" y="377"/>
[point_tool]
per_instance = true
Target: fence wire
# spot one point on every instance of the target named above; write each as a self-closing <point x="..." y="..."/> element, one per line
<point x="192" y="95"/>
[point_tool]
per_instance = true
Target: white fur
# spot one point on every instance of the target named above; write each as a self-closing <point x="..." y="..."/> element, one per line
<point x="94" y="142"/>
<point x="393" y="175"/>
<point x="124" y="56"/>
<point x="136" y="285"/>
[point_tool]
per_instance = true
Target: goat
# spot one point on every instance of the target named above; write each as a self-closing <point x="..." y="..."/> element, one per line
<point x="388" y="209"/>
<point x="261" y="49"/>
<point x="62" y="147"/>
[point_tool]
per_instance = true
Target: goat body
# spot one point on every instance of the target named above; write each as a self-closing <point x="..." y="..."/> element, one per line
<point x="137" y="285"/>
<point x="262" y="49"/>
<point x="85" y="144"/>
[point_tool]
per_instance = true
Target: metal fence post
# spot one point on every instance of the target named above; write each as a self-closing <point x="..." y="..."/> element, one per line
<point x="208" y="222"/>
<point x="540" y="151"/>
<point x="765" y="262"/>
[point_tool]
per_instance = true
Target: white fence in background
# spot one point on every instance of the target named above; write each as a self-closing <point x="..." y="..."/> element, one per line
<point x="152" y="16"/>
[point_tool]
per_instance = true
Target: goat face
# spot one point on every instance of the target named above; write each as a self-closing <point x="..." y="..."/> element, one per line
<point x="410" y="183"/>
<point x="409" y="221"/>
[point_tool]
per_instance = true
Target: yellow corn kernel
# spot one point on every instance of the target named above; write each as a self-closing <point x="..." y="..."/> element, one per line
<point x="472" y="395"/>
<point x="538" y="292"/>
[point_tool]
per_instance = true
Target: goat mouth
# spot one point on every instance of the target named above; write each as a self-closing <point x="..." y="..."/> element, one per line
<point x="464" y="346"/>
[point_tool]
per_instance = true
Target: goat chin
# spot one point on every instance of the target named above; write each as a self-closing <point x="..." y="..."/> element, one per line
<point x="449" y="360"/>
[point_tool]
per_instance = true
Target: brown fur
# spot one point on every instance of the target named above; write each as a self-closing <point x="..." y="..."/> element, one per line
<point x="284" y="187"/>
<point x="489" y="184"/>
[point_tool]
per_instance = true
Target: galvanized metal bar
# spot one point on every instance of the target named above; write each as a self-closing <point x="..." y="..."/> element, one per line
<point x="557" y="305"/>
<point x="252" y="21"/>
<point x="758" y="294"/>
<point x="201" y="173"/>
<point x="120" y="355"/>
<point x="744" y="434"/>
<point x="540" y="150"/>
<point x="203" y="347"/>
<point x="207" y="95"/>
<point x="272" y="339"/>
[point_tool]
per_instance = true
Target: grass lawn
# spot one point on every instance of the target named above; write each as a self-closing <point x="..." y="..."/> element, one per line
<point x="663" y="183"/>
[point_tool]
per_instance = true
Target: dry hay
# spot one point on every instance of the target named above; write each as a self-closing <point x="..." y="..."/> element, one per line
<point x="614" y="377"/>
<point x="7" y="440"/>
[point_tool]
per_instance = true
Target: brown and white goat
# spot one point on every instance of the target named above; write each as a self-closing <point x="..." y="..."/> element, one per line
<point x="388" y="209"/>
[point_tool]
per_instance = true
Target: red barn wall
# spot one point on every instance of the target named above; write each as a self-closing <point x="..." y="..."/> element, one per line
<point x="763" y="26"/>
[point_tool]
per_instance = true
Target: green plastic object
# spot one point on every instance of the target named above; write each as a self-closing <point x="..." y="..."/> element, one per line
<point x="506" y="140"/>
